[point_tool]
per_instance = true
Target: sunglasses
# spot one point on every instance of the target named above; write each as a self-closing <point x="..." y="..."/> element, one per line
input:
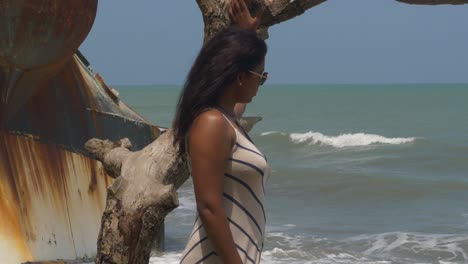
<point x="263" y="76"/>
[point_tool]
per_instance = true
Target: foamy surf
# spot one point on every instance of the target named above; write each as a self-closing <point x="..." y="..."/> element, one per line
<point x="341" y="141"/>
<point x="167" y="257"/>
<point x="383" y="248"/>
<point x="447" y="248"/>
<point x="280" y="256"/>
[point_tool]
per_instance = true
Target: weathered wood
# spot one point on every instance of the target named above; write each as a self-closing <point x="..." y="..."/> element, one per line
<point x="143" y="193"/>
<point x="216" y="17"/>
<point x="247" y="123"/>
<point x="281" y="10"/>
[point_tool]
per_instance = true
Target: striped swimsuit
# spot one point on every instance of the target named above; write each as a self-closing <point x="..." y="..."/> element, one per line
<point x="243" y="202"/>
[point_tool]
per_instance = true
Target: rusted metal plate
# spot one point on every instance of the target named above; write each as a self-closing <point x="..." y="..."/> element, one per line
<point x="55" y="192"/>
<point x="52" y="201"/>
<point x="54" y="196"/>
<point x="13" y="244"/>
<point x="36" y="38"/>
<point x="74" y="107"/>
<point x="54" y="27"/>
<point x="52" y="193"/>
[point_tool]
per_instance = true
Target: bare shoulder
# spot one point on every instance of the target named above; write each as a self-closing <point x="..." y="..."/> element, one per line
<point x="209" y="120"/>
<point x="211" y="126"/>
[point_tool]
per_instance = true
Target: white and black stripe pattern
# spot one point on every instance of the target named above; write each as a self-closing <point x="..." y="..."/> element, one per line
<point x="243" y="202"/>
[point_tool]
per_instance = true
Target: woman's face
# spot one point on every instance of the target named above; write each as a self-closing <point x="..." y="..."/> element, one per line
<point x="249" y="83"/>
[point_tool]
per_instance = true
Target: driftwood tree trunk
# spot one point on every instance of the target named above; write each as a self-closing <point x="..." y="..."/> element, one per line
<point x="144" y="191"/>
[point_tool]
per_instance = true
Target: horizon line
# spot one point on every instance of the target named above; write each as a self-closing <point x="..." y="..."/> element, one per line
<point x="300" y="84"/>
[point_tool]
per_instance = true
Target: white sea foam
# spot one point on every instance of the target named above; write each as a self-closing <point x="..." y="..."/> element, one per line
<point x="384" y="248"/>
<point x="280" y="253"/>
<point x="187" y="199"/>
<point x="293" y="256"/>
<point x="272" y="133"/>
<point x="346" y="140"/>
<point x="167" y="257"/>
<point x="342" y="140"/>
<point x="452" y="247"/>
<point x="280" y="256"/>
<point x="285" y="240"/>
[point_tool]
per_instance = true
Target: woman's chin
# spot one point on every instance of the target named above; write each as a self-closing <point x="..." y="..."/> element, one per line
<point x="247" y="100"/>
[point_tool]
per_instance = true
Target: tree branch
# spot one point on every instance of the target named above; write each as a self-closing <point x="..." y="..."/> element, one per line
<point x="111" y="154"/>
<point x="281" y="10"/>
<point x="216" y="17"/>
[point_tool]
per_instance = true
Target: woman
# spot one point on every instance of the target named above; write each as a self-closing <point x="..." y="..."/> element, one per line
<point x="228" y="170"/>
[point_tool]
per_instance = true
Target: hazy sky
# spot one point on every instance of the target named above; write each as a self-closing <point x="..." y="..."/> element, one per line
<point x="339" y="41"/>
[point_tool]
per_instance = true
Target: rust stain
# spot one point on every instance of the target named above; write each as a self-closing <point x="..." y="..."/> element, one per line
<point x="37" y="37"/>
<point x="42" y="106"/>
<point x="56" y="27"/>
<point x="16" y="248"/>
<point x="22" y="91"/>
<point x="83" y="80"/>
<point x="75" y="96"/>
<point x="112" y="94"/>
<point x="93" y="183"/>
<point x="107" y="180"/>
<point x="40" y="181"/>
<point x="51" y="199"/>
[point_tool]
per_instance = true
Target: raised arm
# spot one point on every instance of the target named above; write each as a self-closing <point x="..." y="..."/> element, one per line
<point x="240" y="16"/>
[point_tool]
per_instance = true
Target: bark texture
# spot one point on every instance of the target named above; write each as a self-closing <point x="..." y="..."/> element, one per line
<point x="216" y="17"/>
<point x="143" y="193"/>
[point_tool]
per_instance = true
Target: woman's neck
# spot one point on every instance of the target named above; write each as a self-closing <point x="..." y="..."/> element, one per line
<point x="227" y="104"/>
<point x="229" y="113"/>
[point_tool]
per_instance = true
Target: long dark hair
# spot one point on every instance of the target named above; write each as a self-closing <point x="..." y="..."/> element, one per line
<point x="230" y="52"/>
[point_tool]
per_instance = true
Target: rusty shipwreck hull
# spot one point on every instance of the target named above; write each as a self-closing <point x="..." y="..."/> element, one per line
<point x="52" y="193"/>
<point x="51" y="201"/>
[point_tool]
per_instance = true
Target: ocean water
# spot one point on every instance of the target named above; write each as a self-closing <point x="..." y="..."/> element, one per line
<point x="360" y="173"/>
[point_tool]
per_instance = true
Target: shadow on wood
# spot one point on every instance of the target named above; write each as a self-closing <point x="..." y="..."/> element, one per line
<point x="143" y="193"/>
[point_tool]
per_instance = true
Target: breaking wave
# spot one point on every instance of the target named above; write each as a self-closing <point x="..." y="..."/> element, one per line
<point x="342" y="140"/>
